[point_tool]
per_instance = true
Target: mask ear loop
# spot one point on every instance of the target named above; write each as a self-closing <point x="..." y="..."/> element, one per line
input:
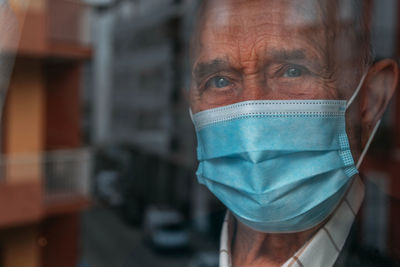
<point x="365" y="150"/>
<point x="371" y="137"/>
<point x="357" y="90"/>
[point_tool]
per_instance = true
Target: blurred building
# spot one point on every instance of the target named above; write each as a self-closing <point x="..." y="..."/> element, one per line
<point x="138" y="77"/>
<point x="44" y="180"/>
<point x="138" y="115"/>
<point x="137" y="120"/>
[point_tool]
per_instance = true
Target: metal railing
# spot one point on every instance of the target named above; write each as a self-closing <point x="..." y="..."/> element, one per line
<point x="64" y="174"/>
<point x="67" y="173"/>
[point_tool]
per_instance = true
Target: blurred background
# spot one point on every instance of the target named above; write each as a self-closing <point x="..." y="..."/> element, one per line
<point x="98" y="151"/>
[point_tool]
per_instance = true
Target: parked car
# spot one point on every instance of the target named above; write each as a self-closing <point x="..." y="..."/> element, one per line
<point x="107" y="190"/>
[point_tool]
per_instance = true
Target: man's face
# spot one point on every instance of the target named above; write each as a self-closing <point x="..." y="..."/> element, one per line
<point x="270" y="50"/>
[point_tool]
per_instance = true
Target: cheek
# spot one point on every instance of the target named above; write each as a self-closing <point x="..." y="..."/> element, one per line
<point x="348" y="82"/>
<point x="200" y="101"/>
<point x="210" y="101"/>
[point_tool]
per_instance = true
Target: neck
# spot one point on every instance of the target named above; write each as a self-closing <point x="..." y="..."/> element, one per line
<point x="252" y="248"/>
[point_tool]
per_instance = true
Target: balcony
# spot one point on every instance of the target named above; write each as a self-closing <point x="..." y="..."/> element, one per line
<point x="39" y="185"/>
<point x="66" y="181"/>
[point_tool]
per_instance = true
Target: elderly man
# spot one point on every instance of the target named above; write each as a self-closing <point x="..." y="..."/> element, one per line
<point x="285" y="102"/>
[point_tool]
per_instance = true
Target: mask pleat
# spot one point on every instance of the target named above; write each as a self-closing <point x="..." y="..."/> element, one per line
<point x="284" y="204"/>
<point x="271" y="173"/>
<point x="269" y="134"/>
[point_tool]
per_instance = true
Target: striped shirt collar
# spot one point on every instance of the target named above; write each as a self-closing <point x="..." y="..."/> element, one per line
<point x="324" y="247"/>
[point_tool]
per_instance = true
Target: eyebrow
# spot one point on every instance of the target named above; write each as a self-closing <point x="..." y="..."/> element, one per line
<point x="206" y="68"/>
<point x="299" y="55"/>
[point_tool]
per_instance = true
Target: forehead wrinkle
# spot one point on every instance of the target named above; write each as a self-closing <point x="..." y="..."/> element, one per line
<point x="313" y="47"/>
<point x="225" y="19"/>
<point x="302" y="20"/>
<point x="318" y="41"/>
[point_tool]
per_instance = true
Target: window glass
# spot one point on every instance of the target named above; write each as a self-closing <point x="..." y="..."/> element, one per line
<point x="199" y="133"/>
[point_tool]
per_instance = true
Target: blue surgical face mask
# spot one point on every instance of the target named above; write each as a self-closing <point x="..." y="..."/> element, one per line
<point x="279" y="166"/>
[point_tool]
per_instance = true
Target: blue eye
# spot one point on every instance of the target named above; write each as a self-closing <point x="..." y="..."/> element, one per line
<point x="293" y="72"/>
<point x="220" y="82"/>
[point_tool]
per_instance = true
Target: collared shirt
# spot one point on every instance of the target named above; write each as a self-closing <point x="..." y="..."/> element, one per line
<point x="324" y="247"/>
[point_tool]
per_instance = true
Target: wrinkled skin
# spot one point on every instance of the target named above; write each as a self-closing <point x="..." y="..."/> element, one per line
<point x="266" y="50"/>
<point x="279" y="50"/>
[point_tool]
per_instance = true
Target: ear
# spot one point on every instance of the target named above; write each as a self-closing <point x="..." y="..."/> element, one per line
<point x="378" y="89"/>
